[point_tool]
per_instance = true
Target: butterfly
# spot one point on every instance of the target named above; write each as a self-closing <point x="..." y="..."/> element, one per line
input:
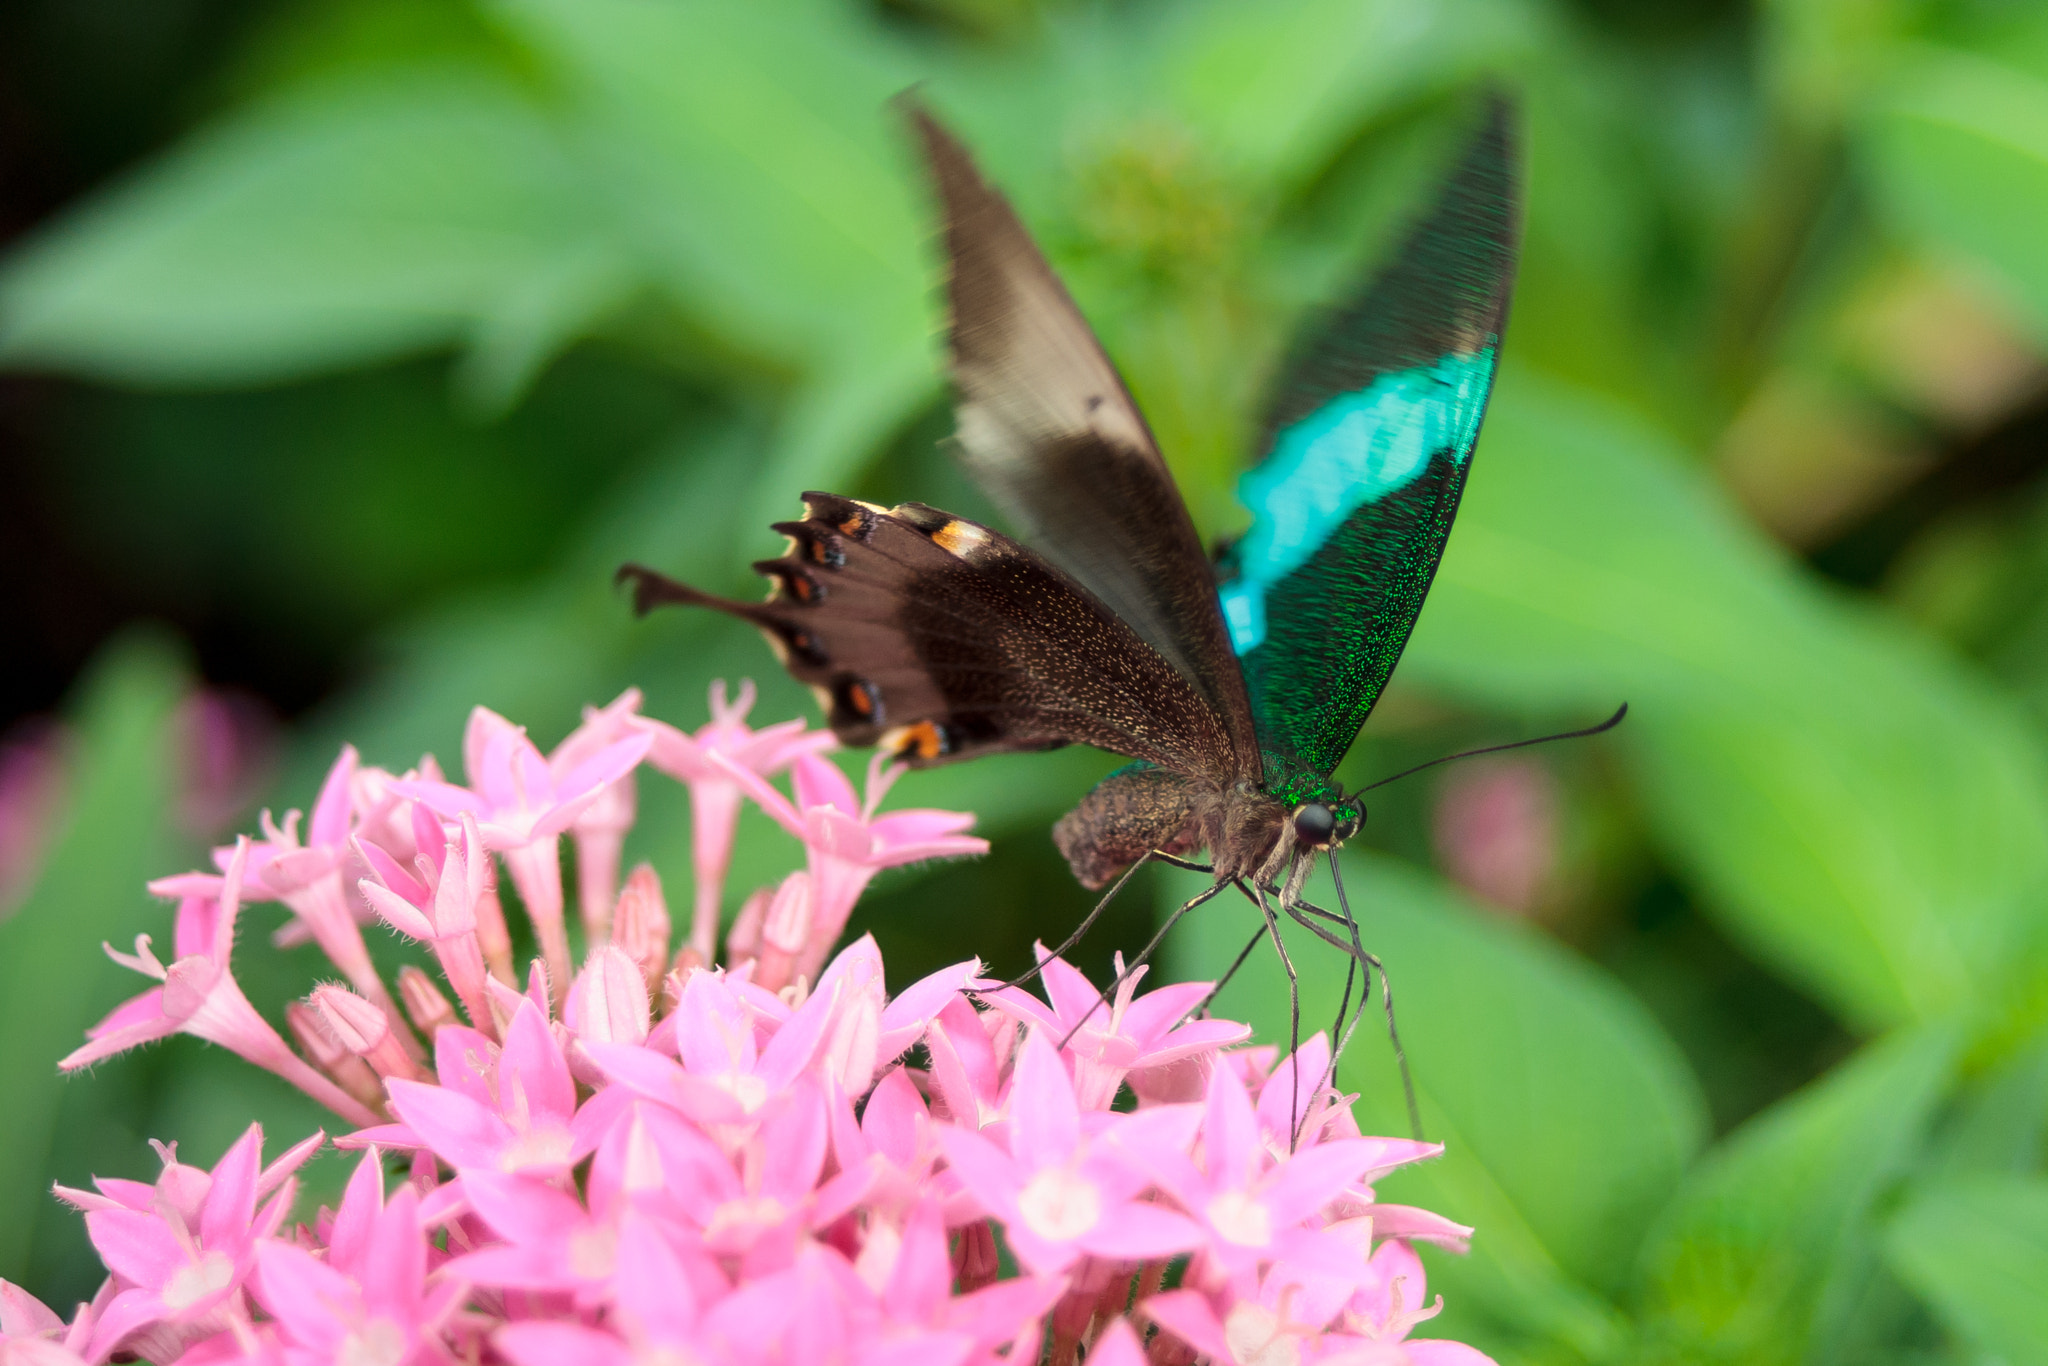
<point x="1235" y="686"/>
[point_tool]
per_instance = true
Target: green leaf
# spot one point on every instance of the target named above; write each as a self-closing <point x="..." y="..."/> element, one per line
<point x="1567" y="1114"/>
<point x="372" y="216"/>
<point x="1282" y="88"/>
<point x="1860" y="810"/>
<point x="1977" y="1249"/>
<point x="54" y="981"/>
<point x="1958" y="153"/>
<point x="1998" y="1124"/>
<point x="750" y="152"/>
<point x="1770" y="1240"/>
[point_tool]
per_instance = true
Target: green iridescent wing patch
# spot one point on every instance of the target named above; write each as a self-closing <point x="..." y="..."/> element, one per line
<point x="1365" y="462"/>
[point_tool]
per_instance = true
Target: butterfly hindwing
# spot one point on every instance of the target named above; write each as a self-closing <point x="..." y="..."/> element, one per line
<point x="940" y="639"/>
<point x="1365" y="461"/>
<point x="1047" y="429"/>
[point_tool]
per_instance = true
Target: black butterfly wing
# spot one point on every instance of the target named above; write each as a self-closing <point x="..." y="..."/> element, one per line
<point x="1048" y="430"/>
<point x="1367" y="450"/>
<point x="940" y="639"/>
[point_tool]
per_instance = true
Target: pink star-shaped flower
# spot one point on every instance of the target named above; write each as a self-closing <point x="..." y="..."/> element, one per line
<point x="509" y="1110"/>
<point x="693" y="759"/>
<point x="372" y="1300"/>
<point x="1254" y="1206"/>
<point x="655" y="1309"/>
<point x="1060" y="1194"/>
<point x="436" y="902"/>
<point x="199" y="996"/>
<point x="1109" y="1041"/>
<point x="521" y="806"/>
<point x="846" y="841"/>
<point x="175" y="1271"/>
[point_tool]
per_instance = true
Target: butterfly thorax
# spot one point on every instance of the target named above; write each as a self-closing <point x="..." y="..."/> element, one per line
<point x="1292" y="783"/>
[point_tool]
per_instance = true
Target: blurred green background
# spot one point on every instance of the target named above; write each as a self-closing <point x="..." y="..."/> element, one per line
<point x="352" y="343"/>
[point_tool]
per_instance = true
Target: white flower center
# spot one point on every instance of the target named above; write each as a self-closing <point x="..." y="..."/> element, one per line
<point x="188" y="1285"/>
<point x="1059" y="1205"/>
<point x="380" y="1342"/>
<point x="1257" y="1337"/>
<point x="593" y="1253"/>
<point x="744" y="1087"/>
<point x="546" y="1145"/>
<point x="1240" y="1219"/>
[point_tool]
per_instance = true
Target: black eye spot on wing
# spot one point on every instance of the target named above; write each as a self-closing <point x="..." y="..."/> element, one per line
<point x="848" y="516"/>
<point x="791" y="583"/>
<point x="812" y="542"/>
<point x="855" y="701"/>
<point x="800" y="645"/>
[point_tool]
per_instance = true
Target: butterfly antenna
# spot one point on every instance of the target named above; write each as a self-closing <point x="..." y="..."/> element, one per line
<point x="1386" y="991"/>
<point x="1609" y="724"/>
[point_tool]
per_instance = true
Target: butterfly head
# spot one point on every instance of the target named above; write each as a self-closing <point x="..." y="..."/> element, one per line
<point x="1326" y="824"/>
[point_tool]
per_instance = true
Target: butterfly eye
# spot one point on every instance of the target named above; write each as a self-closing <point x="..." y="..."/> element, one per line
<point x="1349" y="821"/>
<point x="1314" y="823"/>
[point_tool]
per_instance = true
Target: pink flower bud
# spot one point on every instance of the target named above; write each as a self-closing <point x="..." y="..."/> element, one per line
<point x="425" y="1005"/>
<point x="743" y="941"/>
<point x="363" y="1030"/>
<point x="785" y="932"/>
<point x="609" y="1002"/>
<point x="640" y="923"/>
<point x="349" y="1072"/>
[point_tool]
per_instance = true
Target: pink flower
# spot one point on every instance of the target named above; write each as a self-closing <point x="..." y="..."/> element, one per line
<point x="600" y="830"/>
<point x="737" y="1166"/>
<point x="1252" y="1205"/>
<point x="966" y="1066"/>
<point x="654" y="1307"/>
<point x="714" y="796"/>
<point x="31" y="1335"/>
<point x="371" y="1300"/>
<point x="199" y="996"/>
<point x="176" y="1271"/>
<point x="309" y="879"/>
<point x="754" y="1201"/>
<point x="1111" y="1040"/>
<point x="511" y="1112"/>
<point x="1361" y="1312"/>
<point x="608" y="1002"/>
<point x="846" y="841"/>
<point x="1060" y="1194"/>
<point x="923" y="1315"/>
<point x="437" y="902"/>
<point x="521" y="806"/>
<point x="815" y="1310"/>
<point x="1321" y="1114"/>
<point x="548" y="1242"/>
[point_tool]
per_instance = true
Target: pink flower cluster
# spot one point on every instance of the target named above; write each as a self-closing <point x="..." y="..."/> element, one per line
<point x="657" y="1159"/>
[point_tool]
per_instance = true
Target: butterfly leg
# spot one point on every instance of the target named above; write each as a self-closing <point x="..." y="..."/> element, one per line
<point x="1293" y="1007"/>
<point x="1144" y="956"/>
<point x="1087" y="923"/>
<point x="1202" y="1009"/>
<point x="1355" y="949"/>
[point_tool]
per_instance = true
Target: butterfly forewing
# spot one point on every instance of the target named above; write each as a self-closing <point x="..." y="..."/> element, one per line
<point x="1366" y="455"/>
<point x="1048" y="430"/>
